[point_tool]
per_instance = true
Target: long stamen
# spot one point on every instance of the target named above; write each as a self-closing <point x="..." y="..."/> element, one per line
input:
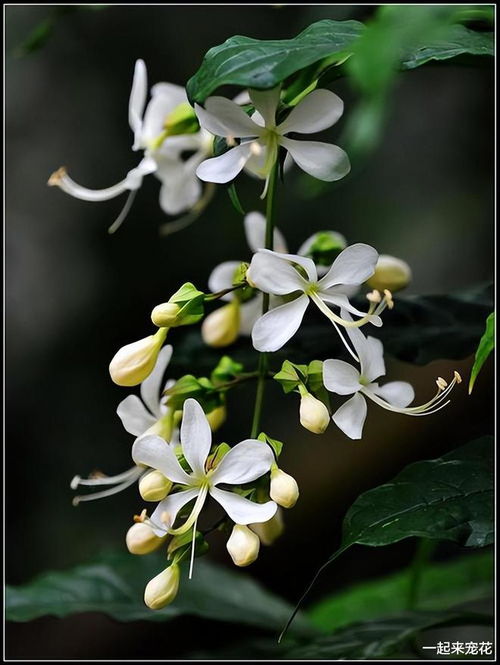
<point x="102" y="479"/>
<point x="344" y="341"/>
<point x="337" y="319"/>
<point x="131" y="478"/>
<point x="191" y="563"/>
<point x="61" y="179"/>
<point x="200" y="500"/>
<point x="124" y="212"/>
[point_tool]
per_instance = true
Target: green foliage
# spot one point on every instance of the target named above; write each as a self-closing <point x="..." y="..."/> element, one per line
<point x="291" y="376"/>
<point x="484" y="349"/>
<point x="233" y="196"/>
<point x="200" y="389"/>
<point x="227" y="370"/>
<point x="276" y="445"/>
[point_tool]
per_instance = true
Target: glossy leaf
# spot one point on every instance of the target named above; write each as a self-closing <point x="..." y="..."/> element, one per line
<point x="484" y="349"/>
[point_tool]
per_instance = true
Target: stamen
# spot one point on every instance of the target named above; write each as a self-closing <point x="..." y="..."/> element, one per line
<point x="191" y="563"/>
<point x="124" y="212"/>
<point x="129" y="477"/>
<point x="60" y="178"/>
<point x="200" y="500"/>
<point x="388" y="298"/>
<point x="99" y="478"/>
<point x="457" y="376"/>
<point x="231" y="142"/>
<point x="367" y="318"/>
<point x="142" y="517"/>
<point x="441" y="383"/>
<point x="255" y="148"/>
<point x="374" y="296"/>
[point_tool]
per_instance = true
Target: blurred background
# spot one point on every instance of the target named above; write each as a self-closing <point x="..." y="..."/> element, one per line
<point x="76" y="294"/>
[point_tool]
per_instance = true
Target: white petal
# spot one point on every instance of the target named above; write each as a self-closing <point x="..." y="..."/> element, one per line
<point x="369" y="350"/>
<point x="397" y="393"/>
<point x="221" y="277"/>
<point x="137" y="100"/>
<point x="250" y="311"/>
<point x="255" y="231"/>
<point x="266" y="102"/>
<point x="134" y="177"/>
<point x="225" y="167"/>
<point x="156" y="453"/>
<point x="272" y="274"/>
<point x="351" y="416"/>
<point x="180" y="192"/>
<point x="322" y="160"/>
<point x="303" y="261"/>
<point x="247" y="461"/>
<point x="135" y="418"/>
<point x="241" y="510"/>
<point x="170" y="507"/>
<point x="223" y="117"/>
<point x="165" y="97"/>
<point x="353" y="265"/>
<point x="317" y="111"/>
<point x="340" y="377"/>
<point x="150" y="387"/>
<point x="277" y="326"/>
<point x="196" y="436"/>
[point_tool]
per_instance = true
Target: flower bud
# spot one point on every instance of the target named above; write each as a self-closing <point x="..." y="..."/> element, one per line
<point x="284" y="489"/>
<point x="141" y="539"/>
<point x="243" y="545"/>
<point x="269" y="531"/>
<point x="217" y="417"/>
<point x="153" y="486"/>
<point x="221" y="328"/>
<point x="390" y="273"/>
<point x="165" y="315"/>
<point x="134" y="362"/>
<point x="163" y="588"/>
<point x="314" y="415"/>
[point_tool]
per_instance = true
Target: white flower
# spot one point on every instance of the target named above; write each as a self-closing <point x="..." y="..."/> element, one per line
<point x="288" y="274"/>
<point x="181" y="189"/>
<point x="261" y="136"/>
<point x="344" y="379"/>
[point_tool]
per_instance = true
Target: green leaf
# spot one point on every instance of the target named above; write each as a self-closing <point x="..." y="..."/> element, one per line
<point x="263" y="64"/>
<point x="227" y="369"/>
<point x="276" y="445"/>
<point x="290" y="376"/>
<point x="484" y="349"/>
<point x="442" y="585"/>
<point x="233" y="195"/>
<point x="114" y="584"/>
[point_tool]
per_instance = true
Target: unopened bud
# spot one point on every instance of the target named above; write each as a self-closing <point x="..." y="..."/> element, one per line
<point x="134" y="362"/>
<point x="217" y="417"/>
<point x="165" y="315"/>
<point x="221" y="328"/>
<point x="284" y="489"/>
<point x="153" y="486"/>
<point x="390" y="273"/>
<point x="243" y="545"/>
<point x="269" y="531"/>
<point x="141" y="539"/>
<point x="314" y="415"/>
<point x="163" y="588"/>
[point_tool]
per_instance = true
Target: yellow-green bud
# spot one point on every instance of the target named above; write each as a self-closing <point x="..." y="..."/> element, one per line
<point x="141" y="539"/>
<point x="221" y="328"/>
<point x="243" y="545"/>
<point x="163" y="588"/>
<point x="284" y="489"/>
<point x="217" y="417"/>
<point x="164" y="315"/>
<point x="153" y="486"/>
<point x="269" y="531"/>
<point x="134" y="362"/>
<point x="390" y="273"/>
<point x="314" y="415"/>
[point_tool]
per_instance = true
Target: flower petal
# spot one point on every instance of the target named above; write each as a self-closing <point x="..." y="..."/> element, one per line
<point x="180" y="189"/>
<point x="369" y="350"/>
<point x="137" y="101"/>
<point x="317" y="111"/>
<point x="340" y="377"/>
<point x="266" y="102"/>
<point x="241" y="510"/>
<point x="223" y="117"/>
<point x="322" y="160"/>
<point x="353" y="265"/>
<point x="255" y="232"/>
<point x="165" y="97"/>
<point x="150" y="387"/>
<point x="135" y="418"/>
<point x="134" y="177"/>
<point x="156" y="453"/>
<point x="221" y="277"/>
<point x="272" y="274"/>
<point x="225" y="167"/>
<point x="247" y="461"/>
<point x="169" y="507"/>
<point x="196" y="436"/>
<point x="277" y="326"/>
<point x="250" y="311"/>
<point x="397" y="393"/>
<point x="351" y="416"/>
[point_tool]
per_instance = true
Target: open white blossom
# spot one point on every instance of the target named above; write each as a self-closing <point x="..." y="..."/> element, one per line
<point x="261" y="137"/>
<point x="344" y="379"/>
<point x="181" y="189"/>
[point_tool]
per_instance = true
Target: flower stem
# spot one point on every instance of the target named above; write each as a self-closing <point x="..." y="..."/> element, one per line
<point x="263" y="357"/>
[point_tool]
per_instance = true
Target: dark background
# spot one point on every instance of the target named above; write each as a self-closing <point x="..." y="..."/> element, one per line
<point x="76" y="294"/>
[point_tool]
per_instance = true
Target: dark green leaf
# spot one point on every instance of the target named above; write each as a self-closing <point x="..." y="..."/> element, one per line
<point x="114" y="584"/>
<point x="484" y="349"/>
<point x="276" y="445"/>
<point x="233" y="195"/>
<point x="227" y="370"/>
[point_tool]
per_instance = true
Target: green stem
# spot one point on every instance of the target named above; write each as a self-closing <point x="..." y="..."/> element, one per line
<point x="425" y="548"/>
<point x="263" y="358"/>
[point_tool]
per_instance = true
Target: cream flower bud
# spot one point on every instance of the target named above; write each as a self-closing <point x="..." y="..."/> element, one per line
<point x="141" y="539"/>
<point x="163" y="588"/>
<point x="217" y="417"/>
<point x="314" y="415"/>
<point x="153" y="486"/>
<point x="243" y="545"/>
<point x="221" y="328"/>
<point x="269" y="531"/>
<point x="390" y="273"/>
<point x="134" y="362"/>
<point x="284" y="489"/>
<point x="164" y="315"/>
